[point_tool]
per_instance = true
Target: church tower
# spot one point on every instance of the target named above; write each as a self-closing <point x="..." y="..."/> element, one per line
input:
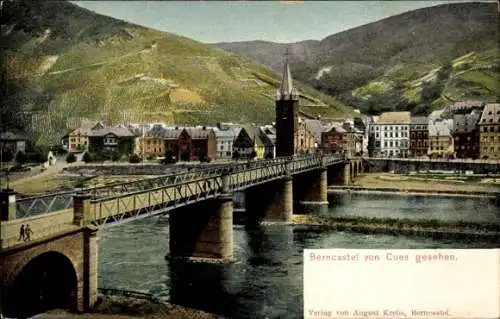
<point x="287" y="105"/>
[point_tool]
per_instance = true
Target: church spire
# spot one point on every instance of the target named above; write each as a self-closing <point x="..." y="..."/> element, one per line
<point x="286" y="90"/>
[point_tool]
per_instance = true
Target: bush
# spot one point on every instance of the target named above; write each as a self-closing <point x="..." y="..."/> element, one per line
<point x="134" y="158"/>
<point x="7" y="156"/>
<point x="71" y="158"/>
<point x="236" y="155"/>
<point x="21" y="158"/>
<point x="269" y="155"/>
<point x="253" y="154"/>
<point x="206" y="159"/>
<point x="116" y="156"/>
<point x="169" y="157"/>
<point x="58" y="150"/>
<point x="36" y="153"/>
<point x="87" y="157"/>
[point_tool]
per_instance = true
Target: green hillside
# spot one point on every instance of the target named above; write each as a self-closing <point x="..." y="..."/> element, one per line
<point x="410" y="61"/>
<point x="475" y="75"/>
<point x="65" y="65"/>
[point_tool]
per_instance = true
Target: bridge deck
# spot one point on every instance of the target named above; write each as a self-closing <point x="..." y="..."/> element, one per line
<point x="162" y="194"/>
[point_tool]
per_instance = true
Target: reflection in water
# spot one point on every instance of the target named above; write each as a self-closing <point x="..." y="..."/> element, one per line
<point x="201" y="286"/>
<point x="266" y="279"/>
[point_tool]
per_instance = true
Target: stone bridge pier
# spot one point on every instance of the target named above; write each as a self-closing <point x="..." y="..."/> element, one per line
<point x="311" y="191"/>
<point x="339" y="174"/>
<point x="272" y="201"/>
<point x="203" y="230"/>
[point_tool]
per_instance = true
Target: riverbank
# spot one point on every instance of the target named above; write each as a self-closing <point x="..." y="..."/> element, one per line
<point x="458" y="184"/>
<point x="130" y="305"/>
<point x="411" y="191"/>
<point x="428" y="228"/>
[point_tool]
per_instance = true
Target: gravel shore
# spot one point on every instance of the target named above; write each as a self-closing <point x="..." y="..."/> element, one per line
<point x="121" y="307"/>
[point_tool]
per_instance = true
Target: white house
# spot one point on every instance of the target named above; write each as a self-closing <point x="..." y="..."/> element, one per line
<point x="225" y="140"/>
<point x="391" y="134"/>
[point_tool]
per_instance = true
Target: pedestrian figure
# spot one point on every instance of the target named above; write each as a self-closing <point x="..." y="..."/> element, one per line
<point x="21" y="233"/>
<point x="27" y="232"/>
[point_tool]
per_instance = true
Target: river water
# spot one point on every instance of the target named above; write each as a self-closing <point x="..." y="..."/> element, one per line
<point x="266" y="279"/>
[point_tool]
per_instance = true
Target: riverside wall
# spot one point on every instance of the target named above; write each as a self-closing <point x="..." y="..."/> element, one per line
<point x="406" y="166"/>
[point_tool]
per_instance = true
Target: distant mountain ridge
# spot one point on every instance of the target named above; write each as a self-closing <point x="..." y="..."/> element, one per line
<point x="377" y="66"/>
<point x="64" y="65"/>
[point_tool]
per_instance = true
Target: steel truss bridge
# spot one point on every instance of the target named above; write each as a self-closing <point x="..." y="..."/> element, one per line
<point x="148" y="196"/>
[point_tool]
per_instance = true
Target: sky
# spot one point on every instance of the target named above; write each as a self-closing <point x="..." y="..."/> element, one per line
<point x="276" y="21"/>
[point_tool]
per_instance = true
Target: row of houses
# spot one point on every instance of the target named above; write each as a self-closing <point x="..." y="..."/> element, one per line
<point x="466" y="129"/>
<point x="225" y="141"/>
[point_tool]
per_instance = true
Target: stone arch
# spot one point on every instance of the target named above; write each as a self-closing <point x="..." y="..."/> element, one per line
<point x="47" y="281"/>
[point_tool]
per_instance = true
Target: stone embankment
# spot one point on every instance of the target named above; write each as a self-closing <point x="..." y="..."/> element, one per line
<point x="393" y="226"/>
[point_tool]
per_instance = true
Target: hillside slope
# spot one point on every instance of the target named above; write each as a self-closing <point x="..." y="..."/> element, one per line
<point x="378" y="66"/>
<point x="64" y="64"/>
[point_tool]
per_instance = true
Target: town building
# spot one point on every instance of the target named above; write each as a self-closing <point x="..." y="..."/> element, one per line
<point x="149" y="143"/>
<point x="436" y="115"/>
<point x="419" y="136"/>
<point x="463" y="107"/>
<point x="489" y="130"/>
<point x="12" y="143"/>
<point x="190" y="144"/>
<point x="108" y="140"/>
<point x="225" y="140"/>
<point x="361" y="132"/>
<point x="269" y="139"/>
<point x="350" y="139"/>
<point x="392" y="135"/>
<point x="316" y="128"/>
<point x="304" y="141"/>
<point x="441" y="143"/>
<point x="466" y="134"/>
<point x="334" y="141"/>
<point x="372" y="148"/>
<point x="79" y="138"/>
<point x="287" y="105"/>
<point x="248" y="141"/>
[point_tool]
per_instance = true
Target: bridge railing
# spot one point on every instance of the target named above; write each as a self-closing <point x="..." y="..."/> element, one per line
<point x="193" y="188"/>
<point x="42" y="204"/>
<point x="36" y="205"/>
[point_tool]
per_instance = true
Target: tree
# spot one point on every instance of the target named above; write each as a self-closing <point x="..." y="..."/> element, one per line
<point x="7" y="155"/>
<point x="253" y="154"/>
<point x="58" y="150"/>
<point x="21" y="158"/>
<point x="206" y="159"/>
<point x="134" y="158"/>
<point x="116" y="156"/>
<point x="71" y="158"/>
<point x="236" y="155"/>
<point x="169" y="157"/>
<point x="87" y="157"/>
